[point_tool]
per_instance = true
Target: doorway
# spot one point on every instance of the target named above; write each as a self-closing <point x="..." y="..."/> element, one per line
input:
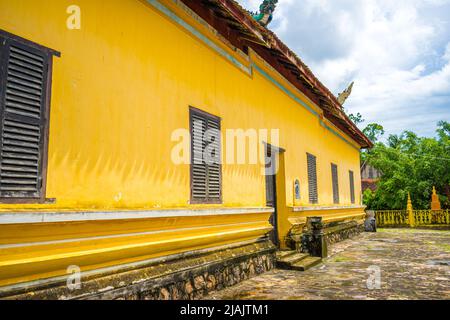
<point x="271" y="189"/>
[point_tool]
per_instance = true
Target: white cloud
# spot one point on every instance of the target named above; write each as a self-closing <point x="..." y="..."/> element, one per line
<point x="397" y="52"/>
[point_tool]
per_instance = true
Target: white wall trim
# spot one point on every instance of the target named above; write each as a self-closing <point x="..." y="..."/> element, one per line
<point x="74" y="216"/>
<point x="301" y="209"/>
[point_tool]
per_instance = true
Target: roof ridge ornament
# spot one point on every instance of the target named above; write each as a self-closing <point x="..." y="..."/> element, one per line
<point x="343" y="96"/>
<point x="265" y="14"/>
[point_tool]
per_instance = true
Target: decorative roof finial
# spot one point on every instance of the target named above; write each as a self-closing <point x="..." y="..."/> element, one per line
<point x="342" y="97"/>
<point x="409" y="205"/>
<point x="265" y="14"/>
<point x="435" y="202"/>
<point x="410" y="211"/>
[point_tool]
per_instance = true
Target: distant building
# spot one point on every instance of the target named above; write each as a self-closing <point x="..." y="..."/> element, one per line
<point x="369" y="177"/>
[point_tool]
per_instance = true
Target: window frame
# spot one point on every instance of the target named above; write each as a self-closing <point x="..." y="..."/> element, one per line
<point x="335" y="184"/>
<point x="49" y="53"/>
<point x="206" y="116"/>
<point x="352" y="187"/>
<point x="316" y="196"/>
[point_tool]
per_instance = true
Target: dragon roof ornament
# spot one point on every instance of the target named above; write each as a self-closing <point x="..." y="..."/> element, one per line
<point x="265" y="14"/>
<point x="342" y="97"/>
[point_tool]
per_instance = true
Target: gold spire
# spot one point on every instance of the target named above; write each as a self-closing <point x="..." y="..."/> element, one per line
<point x="409" y="201"/>
<point x="410" y="210"/>
<point x="435" y="203"/>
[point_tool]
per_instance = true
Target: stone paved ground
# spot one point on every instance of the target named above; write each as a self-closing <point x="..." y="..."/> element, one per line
<point x="414" y="264"/>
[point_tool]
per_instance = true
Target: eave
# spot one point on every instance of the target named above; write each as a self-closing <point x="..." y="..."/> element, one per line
<point x="238" y="26"/>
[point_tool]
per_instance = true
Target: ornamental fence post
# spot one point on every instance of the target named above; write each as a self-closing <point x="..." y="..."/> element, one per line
<point x="410" y="210"/>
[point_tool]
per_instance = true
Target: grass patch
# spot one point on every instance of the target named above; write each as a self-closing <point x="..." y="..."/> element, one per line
<point x="412" y="230"/>
<point x="444" y="246"/>
<point x="342" y="259"/>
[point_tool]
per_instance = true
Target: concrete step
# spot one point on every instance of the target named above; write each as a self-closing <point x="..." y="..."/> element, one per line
<point x="288" y="261"/>
<point x="306" y="263"/>
<point x="284" y="254"/>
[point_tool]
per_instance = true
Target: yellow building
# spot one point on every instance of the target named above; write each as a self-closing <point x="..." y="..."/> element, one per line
<point x="96" y="102"/>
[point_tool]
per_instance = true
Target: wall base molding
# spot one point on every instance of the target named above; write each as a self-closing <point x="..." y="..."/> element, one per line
<point x="303" y="238"/>
<point x="182" y="279"/>
<point x="338" y="232"/>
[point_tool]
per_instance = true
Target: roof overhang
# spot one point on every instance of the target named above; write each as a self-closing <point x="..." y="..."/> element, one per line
<point x="238" y="26"/>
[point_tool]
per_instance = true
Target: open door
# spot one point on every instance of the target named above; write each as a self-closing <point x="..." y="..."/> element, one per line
<point x="271" y="189"/>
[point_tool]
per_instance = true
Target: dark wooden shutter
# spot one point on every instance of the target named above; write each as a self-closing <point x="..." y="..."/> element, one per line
<point x="198" y="168"/>
<point x="352" y="187"/>
<point x="214" y="169"/>
<point x="206" y="176"/>
<point x="335" y="178"/>
<point x="23" y="90"/>
<point x="312" y="179"/>
<point x="270" y="178"/>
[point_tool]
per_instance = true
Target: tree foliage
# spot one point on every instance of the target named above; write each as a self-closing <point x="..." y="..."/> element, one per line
<point x="374" y="132"/>
<point x="356" y="118"/>
<point x="409" y="163"/>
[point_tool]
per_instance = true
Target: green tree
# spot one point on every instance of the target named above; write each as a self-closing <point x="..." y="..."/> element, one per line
<point x="374" y="132"/>
<point x="410" y="163"/>
<point x="357" y="119"/>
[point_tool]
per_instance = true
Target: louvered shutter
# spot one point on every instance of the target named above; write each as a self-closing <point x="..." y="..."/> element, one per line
<point x="270" y="178"/>
<point x="206" y="176"/>
<point x="352" y="187"/>
<point x="335" y="181"/>
<point x="23" y="87"/>
<point x="312" y="179"/>
<point x="199" y="169"/>
<point x="214" y="168"/>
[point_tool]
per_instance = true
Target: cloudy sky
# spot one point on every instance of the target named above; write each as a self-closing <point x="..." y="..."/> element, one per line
<point x="396" y="51"/>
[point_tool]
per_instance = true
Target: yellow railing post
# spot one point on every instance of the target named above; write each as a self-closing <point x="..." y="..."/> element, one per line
<point x="436" y="210"/>
<point x="409" y="209"/>
<point x="435" y="202"/>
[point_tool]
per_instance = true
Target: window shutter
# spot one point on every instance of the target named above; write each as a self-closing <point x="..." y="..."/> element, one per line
<point x="23" y="90"/>
<point x="206" y="176"/>
<point x="352" y="187"/>
<point x="199" y="169"/>
<point x="335" y="178"/>
<point x="312" y="179"/>
<point x="214" y="169"/>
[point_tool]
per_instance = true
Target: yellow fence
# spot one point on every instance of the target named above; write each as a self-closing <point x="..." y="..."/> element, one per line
<point x="412" y="218"/>
<point x="391" y="217"/>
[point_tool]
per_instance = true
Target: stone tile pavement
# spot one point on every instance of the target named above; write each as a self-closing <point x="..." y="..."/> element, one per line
<point x="412" y="264"/>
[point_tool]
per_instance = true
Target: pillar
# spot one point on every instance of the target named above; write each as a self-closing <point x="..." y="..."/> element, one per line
<point x="314" y="240"/>
<point x="409" y="209"/>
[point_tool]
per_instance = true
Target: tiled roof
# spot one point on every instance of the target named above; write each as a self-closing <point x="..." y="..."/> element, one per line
<point x="239" y="28"/>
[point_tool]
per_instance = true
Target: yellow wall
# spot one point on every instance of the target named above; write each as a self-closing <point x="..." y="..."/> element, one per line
<point x="30" y="252"/>
<point x="122" y="85"/>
